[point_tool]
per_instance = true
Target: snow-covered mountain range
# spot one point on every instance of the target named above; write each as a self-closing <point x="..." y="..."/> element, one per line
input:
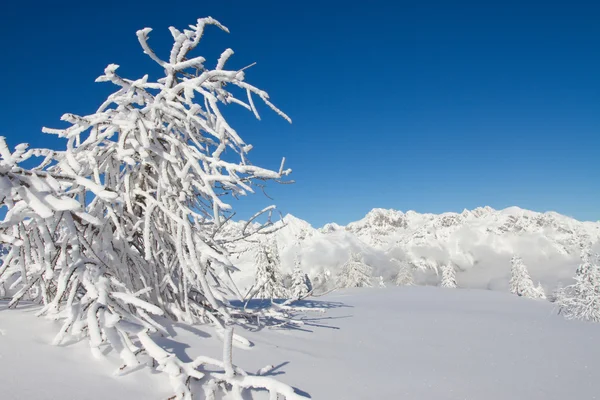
<point x="479" y="242"/>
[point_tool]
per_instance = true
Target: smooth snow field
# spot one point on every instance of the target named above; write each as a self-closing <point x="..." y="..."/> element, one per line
<point x="423" y="343"/>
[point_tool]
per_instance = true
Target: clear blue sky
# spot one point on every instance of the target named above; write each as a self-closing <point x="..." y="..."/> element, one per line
<point x="431" y="106"/>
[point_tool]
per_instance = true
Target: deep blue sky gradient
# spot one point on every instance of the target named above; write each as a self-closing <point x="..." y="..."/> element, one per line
<point x="431" y="106"/>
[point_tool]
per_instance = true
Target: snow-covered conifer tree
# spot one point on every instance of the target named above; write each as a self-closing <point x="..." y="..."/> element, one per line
<point x="448" y="275"/>
<point x="355" y="273"/>
<point x="581" y="300"/>
<point x="521" y="283"/>
<point x="300" y="281"/>
<point x="125" y="223"/>
<point x="404" y="277"/>
<point x="268" y="281"/>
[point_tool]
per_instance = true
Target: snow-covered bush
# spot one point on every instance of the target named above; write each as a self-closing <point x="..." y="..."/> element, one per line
<point x="521" y="283"/>
<point x="448" y="275"/>
<point x="355" y="273"/>
<point x="268" y="281"/>
<point x="124" y="224"/>
<point x="581" y="300"/>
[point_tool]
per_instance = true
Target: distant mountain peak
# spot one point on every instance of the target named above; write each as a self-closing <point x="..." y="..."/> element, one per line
<point x="330" y="227"/>
<point x="379" y="218"/>
<point x="291" y="219"/>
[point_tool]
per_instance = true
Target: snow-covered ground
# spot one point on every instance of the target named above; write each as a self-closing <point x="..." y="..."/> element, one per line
<point x="32" y="369"/>
<point x="393" y="343"/>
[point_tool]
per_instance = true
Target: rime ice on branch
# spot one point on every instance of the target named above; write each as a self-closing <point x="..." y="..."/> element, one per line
<point x="124" y="223"/>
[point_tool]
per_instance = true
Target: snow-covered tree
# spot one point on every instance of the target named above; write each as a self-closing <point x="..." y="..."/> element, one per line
<point x="268" y="281"/>
<point x="521" y="283"/>
<point x="355" y="273"/>
<point x="125" y="223"/>
<point x="448" y="275"/>
<point x="404" y="277"/>
<point x="321" y="281"/>
<point x="300" y="282"/>
<point x="381" y="282"/>
<point x="581" y="300"/>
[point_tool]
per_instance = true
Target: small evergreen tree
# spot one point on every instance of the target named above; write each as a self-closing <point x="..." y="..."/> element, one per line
<point x="405" y="273"/>
<point x="448" y="275"/>
<point x="268" y="281"/>
<point x="581" y="300"/>
<point x="521" y="283"/>
<point x="300" y="282"/>
<point x="355" y="273"/>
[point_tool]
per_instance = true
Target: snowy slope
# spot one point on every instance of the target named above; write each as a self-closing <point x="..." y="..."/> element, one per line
<point x="393" y="343"/>
<point x="479" y="242"/>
